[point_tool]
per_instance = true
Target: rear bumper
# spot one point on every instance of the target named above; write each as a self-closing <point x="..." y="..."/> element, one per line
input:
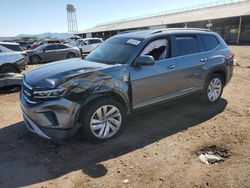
<point x="54" y="120"/>
<point x="230" y="67"/>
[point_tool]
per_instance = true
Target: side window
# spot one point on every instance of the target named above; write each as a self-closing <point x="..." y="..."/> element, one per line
<point x="61" y="46"/>
<point x="210" y="42"/>
<point x="86" y="42"/>
<point x="95" y="41"/>
<point x="187" y="45"/>
<point x="51" y="47"/>
<point x="159" y="49"/>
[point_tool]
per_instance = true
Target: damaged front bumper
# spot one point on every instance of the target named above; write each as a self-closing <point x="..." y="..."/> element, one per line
<point x="55" y="119"/>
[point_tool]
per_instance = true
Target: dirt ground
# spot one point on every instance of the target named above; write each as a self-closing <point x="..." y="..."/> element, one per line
<point x="156" y="149"/>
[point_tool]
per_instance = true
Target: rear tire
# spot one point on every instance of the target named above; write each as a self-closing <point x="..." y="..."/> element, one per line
<point x="102" y="120"/>
<point x="213" y="89"/>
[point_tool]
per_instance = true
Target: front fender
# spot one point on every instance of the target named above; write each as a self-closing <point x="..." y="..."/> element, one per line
<point x="87" y="88"/>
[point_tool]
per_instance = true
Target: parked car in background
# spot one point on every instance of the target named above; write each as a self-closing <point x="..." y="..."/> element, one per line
<point x="11" y="61"/>
<point x="52" y="52"/>
<point x="14" y="47"/>
<point x="127" y="72"/>
<point x="47" y="41"/>
<point x="25" y="45"/>
<point x="87" y="45"/>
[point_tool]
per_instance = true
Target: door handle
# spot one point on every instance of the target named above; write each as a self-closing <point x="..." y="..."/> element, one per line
<point x="171" y="67"/>
<point x="203" y="60"/>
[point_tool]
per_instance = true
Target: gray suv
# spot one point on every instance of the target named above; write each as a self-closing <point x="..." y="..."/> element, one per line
<point x="127" y="72"/>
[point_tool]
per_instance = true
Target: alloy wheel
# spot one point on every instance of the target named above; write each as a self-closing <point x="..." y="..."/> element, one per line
<point x="214" y="89"/>
<point x="106" y="121"/>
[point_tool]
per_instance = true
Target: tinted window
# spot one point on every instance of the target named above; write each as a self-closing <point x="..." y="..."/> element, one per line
<point x="187" y="45"/>
<point x="13" y="47"/>
<point x="210" y="42"/>
<point x="61" y="46"/>
<point x="95" y="41"/>
<point x="51" y="47"/>
<point x="114" y="51"/>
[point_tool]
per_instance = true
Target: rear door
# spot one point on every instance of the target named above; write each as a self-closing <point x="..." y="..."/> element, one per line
<point x="50" y="53"/>
<point x="62" y="51"/>
<point x="190" y="58"/>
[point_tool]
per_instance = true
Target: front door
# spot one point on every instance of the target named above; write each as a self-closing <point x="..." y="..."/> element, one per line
<point x="151" y="84"/>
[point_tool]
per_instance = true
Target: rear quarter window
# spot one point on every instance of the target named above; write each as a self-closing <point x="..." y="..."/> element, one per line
<point x="187" y="45"/>
<point x="210" y="42"/>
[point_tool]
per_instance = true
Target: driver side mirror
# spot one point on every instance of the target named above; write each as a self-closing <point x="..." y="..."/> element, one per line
<point x="145" y="60"/>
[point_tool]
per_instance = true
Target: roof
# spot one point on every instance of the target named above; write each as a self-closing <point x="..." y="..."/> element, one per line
<point x="147" y="33"/>
<point x="235" y="9"/>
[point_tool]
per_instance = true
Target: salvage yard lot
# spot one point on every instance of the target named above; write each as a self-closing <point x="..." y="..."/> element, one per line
<point x="156" y="149"/>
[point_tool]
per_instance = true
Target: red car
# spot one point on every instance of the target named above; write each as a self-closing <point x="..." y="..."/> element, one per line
<point x="48" y="41"/>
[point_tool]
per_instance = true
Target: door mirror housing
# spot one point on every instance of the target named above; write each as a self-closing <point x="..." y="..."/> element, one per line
<point x="145" y="60"/>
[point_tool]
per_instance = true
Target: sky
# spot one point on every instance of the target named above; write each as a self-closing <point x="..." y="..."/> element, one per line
<point x="40" y="16"/>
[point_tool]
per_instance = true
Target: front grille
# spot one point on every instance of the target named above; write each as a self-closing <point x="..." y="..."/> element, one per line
<point x="27" y="92"/>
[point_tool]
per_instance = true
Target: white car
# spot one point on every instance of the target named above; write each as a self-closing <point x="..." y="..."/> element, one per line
<point x="11" y="61"/>
<point x="87" y="45"/>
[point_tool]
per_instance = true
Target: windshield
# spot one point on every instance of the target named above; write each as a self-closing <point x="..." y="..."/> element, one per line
<point x="114" y="51"/>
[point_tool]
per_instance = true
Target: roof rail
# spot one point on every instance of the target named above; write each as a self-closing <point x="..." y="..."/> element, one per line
<point x="180" y="28"/>
<point x="130" y="31"/>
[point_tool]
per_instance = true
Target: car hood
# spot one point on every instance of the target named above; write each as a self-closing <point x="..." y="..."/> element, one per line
<point x="53" y="74"/>
<point x="9" y="57"/>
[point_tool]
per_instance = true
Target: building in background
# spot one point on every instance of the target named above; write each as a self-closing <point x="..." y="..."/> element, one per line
<point x="230" y="18"/>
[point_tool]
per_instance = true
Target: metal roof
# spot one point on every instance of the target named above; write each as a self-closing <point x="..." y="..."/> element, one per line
<point x="228" y="10"/>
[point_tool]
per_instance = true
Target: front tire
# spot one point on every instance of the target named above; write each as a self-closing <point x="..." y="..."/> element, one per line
<point x="71" y="55"/>
<point x="213" y="89"/>
<point x="103" y="120"/>
<point x="35" y="59"/>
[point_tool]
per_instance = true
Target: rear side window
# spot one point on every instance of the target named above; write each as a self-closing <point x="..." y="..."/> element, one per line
<point x="95" y="41"/>
<point x="51" y="47"/>
<point x="187" y="45"/>
<point x="210" y="42"/>
<point x="61" y="46"/>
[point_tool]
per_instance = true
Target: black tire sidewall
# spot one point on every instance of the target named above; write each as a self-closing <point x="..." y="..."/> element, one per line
<point x="32" y="59"/>
<point x="71" y="55"/>
<point x="87" y="114"/>
<point x="205" y="95"/>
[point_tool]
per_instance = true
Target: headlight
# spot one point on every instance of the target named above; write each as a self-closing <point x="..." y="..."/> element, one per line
<point x="21" y="61"/>
<point x="48" y="94"/>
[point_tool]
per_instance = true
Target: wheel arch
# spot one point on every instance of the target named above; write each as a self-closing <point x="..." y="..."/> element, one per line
<point x="221" y="70"/>
<point x="115" y="94"/>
